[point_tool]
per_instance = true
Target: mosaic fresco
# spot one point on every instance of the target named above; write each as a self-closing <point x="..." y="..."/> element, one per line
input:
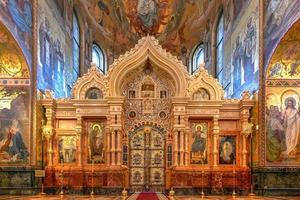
<point x="12" y="62"/>
<point x="178" y="24"/>
<point x="227" y="150"/>
<point x="14" y="123"/>
<point x="16" y="15"/>
<point x="55" y="49"/>
<point x="96" y="142"/>
<point x="241" y="70"/>
<point x="285" y="62"/>
<point x="283" y="125"/>
<point x="67" y="149"/>
<point x="199" y="143"/>
<point x="282" y="101"/>
<point x="279" y="17"/>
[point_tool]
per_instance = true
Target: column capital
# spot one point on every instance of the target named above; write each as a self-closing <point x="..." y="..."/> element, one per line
<point x="246" y="128"/>
<point x="78" y="130"/>
<point x="47" y="132"/>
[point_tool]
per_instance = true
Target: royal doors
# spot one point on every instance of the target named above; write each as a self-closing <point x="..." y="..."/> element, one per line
<point x="147" y="159"/>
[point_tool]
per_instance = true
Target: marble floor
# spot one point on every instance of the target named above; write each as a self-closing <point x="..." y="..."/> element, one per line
<point x="236" y="198"/>
<point x="76" y="197"/>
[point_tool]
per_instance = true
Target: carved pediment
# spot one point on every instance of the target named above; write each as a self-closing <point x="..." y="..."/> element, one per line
<point x="94" y="79"/>
<point x="147" y="48"/>
<point x="201" y="80"/>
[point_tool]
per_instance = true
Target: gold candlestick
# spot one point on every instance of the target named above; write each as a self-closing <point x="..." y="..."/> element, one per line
<point x="62" y="180"/>
<point x="233" y="192"/>
<point x="92" y="192"/>
<point x="202" y="173"/>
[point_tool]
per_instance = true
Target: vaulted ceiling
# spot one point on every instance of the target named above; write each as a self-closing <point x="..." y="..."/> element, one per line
<point x="178" y="24"/>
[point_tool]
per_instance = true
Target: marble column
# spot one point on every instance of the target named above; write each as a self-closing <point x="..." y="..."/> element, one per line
<point x="113" y="148"/>
<point x="119" y="147"/>
<point x="181" y="134"/>
<point x="186" y="149"/>
<point x="246" y="131"/>
<point x="108" y="147"/>
<point x="78" y="130"/>
<point x="216" y="130"/>
<point x="175" y="146"/>
<point x="48" y="134"/>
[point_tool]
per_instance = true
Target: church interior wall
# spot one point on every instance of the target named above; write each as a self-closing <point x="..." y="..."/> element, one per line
<point x="15" y="101"/>
<point x="278" y="18"/>
<point x="55" y="48"/>
<point x="281" y="142"/>
<point x="241" y="55"/>
<point x="69" y="115"/>
<point x="17" y="18"/>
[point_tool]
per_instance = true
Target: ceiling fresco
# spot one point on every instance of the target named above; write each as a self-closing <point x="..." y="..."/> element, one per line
<point x="285" y="62"/>
<point x="176" y="23"/>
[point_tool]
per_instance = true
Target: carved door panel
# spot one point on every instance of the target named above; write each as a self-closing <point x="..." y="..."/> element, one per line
<point x="147" y="161"/>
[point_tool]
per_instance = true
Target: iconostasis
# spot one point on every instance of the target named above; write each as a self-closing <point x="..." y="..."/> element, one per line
<point x="147" y="124"/>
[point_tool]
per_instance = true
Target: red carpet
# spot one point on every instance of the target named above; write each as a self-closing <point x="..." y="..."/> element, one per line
<point x="147" y="196"/>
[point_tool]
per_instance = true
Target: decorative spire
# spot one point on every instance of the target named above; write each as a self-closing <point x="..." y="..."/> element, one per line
<point x="202" y="66"/>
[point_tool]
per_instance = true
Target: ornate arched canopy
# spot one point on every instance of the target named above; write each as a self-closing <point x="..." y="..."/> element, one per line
<point x="93" y="79"/>
<point x="202" y="80"/>
<point x="147" y="48"/>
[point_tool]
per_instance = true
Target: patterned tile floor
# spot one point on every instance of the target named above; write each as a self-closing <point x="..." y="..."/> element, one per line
<point x="76" y="197"/>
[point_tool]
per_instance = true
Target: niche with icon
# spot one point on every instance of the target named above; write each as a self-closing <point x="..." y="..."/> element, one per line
<point x="227" y="150"/>
<point x="199" y="143"/>
<point x="95" y="141"/>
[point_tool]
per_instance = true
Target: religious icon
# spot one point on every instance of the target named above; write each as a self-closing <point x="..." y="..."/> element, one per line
<point x="157" y="177"/>
<point x="162" y="115"/>
<point x="148" y="106"/>
<point x="163" y="94"/>
<point x="227" y="150"/>
<point x="96" y="142"/>
<point x="157" y="159"/>
<point x="12" y="147"/>
<point x="201" y="94"/>
<point x="199" y="145"/>
<point x="67" y="149"/>
<point x="94" y="93"/>
<point x="147" y="12"/>
<point x="283" y="122"/>
<point x="137" y="177"/>
<point x="132" y="114"/>
<point x="131" y="94"/>
<point x="137" y="159"/>
<point x="14" y="125"/>
<point x="148" y="90"/>
<point x="137" y="141"/>
<point x="157" y="141"/>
